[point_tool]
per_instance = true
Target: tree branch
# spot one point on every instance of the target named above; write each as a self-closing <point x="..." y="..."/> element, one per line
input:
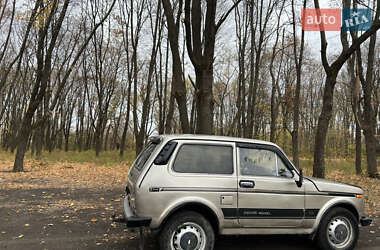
<point x="224" y="17"/>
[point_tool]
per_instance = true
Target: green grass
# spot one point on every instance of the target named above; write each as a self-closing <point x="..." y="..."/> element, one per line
<point x="345" y="165"/>
<point x="331" y="165"/>
<point x="105" y="158"/>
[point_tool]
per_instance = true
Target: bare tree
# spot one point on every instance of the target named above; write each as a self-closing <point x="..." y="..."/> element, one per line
<point x="298" y="61"/>
<point x="332" y="71"/>
<point x="242" y="32"/>
<point x="368" y="121"/>
<point x="200" y="47"/>
<point x="43" y="72"/>
<point x="274" y="104"/>
<point x="178" y="82"/>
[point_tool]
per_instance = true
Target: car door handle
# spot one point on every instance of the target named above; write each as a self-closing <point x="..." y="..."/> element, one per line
<point x="247" y="184"/>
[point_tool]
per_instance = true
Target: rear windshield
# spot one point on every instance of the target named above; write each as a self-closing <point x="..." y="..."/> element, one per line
<point x="144" y="156"/>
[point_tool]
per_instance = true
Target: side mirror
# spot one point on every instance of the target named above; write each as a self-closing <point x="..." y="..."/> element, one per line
<point x="298" y="178"/>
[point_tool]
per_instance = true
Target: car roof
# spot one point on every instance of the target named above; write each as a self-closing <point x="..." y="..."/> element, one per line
<point x="212" y="138"/>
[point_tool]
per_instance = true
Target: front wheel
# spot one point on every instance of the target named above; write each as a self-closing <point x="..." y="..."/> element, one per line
<point x="338" y="230"/>
<point x="187" y="231"/>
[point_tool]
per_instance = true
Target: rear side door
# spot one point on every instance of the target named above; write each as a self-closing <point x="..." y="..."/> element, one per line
<point x="267" y="193"/>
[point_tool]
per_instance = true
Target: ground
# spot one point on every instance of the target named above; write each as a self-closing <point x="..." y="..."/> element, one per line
<point x="69" y="206"/>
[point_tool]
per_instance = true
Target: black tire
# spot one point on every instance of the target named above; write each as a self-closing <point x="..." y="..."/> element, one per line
<point x="177" y="221"/>
<point x="325" y="242"/>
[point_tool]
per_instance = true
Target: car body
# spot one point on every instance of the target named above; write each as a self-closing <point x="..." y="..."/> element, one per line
<point x="240" y="186"/>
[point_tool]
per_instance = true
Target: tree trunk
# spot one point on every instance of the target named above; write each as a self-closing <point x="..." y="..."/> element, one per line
<point x="322" y="127"/>
<point x="139" y="143"/>
<point x="295" y="151"/>
<point x="23" y="138"/>
<point x="369" y="114"/>
<point x="297" y="101"/>
<point x="371" y="144"/>
<point x="273" y="114"/>
<point x="66" y="143"/>
<point x="169" y="117"/>
<point x="106" y="139"/>
<point x="123" y="138"/>
<point x="369" y="134"/>
<point x="98" y="136"/>
<point x="358" y="148"/>
<point x="124" y="135"/>
<point x="178" y="82"/>
<point x="205" y="103"/>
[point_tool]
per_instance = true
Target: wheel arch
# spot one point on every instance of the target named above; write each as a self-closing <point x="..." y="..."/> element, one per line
<point x="198" y="207"/>
<point x="335" y="204"/>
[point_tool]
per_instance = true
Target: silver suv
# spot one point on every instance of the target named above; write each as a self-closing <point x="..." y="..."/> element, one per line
<point x="190" y="188"/>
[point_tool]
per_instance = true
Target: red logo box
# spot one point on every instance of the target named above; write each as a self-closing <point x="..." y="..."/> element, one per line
<point x="321" y="19"/>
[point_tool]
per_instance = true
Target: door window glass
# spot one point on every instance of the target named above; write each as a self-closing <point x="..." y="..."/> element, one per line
<point x="262" y="162"/>
<point x="257" y="162"/>
<point x="282" y="169"/>
<point x="207" y="159"/>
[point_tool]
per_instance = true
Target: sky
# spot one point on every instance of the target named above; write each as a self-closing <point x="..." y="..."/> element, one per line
<point x="333" y="37"/>
<point x="227" y="37"/>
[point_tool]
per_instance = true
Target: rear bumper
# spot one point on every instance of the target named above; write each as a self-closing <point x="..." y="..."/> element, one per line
<point x="131" y="220"/>
<point x="365" y="221"/>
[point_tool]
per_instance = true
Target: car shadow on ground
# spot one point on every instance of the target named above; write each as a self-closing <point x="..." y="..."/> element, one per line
<point x="265" y="242"/>
<point x="283" y="242"/>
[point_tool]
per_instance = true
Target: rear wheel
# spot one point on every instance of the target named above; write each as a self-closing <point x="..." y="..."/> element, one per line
<point x="338" y="230"/>
<point x="187" y="231"/>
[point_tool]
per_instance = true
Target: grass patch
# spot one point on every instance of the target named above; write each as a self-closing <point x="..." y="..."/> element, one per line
<point x="106" y="158"/>
<point x="347" y="166"/>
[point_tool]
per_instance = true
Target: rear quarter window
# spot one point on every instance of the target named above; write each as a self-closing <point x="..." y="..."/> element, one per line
<point x="144" y="156"/>
<point x="204" y="159"/>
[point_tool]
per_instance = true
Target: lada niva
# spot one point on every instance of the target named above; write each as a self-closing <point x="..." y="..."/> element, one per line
<point x="189" y="188"/>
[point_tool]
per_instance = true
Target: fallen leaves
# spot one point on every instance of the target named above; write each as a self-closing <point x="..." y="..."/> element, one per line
<point x="60" y="200"/>
<point x="370" y="186"/>
<point x="77" y="175"/>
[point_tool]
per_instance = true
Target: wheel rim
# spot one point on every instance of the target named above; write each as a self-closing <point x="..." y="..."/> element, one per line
<point x="339" y="232"/>
<point x="188" y="236"/>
